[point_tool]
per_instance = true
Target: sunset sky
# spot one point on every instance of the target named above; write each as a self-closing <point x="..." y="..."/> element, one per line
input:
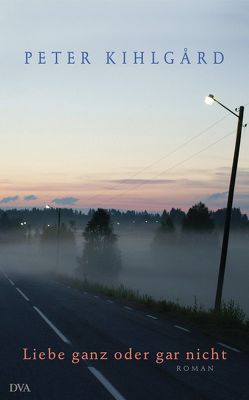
<point x="116" y="135"/>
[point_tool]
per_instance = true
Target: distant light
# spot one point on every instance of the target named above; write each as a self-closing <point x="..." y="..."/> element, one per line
<point x="22" y="223"/>
<point x="146" y="222"/>
<point x="47" y="206"/>
<point x="25" y="223"/>
<point x="209" y="99"/>
<point x="48" y="225"/>
<point x="118" y="223"/>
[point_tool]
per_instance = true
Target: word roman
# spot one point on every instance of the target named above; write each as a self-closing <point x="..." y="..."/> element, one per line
<point x="124" y="57"/>
<point x="195" y="368"/>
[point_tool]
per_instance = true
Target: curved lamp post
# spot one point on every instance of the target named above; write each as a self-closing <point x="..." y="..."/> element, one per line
<point x="210" y="100"/>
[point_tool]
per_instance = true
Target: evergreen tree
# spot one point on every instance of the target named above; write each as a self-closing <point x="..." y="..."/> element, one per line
<point x="198" y="219"/>
<point x="101" y="258"/>
<point x="49" y="234"/>
<point x="164" y="234"/>
<point x="167" y="225"/>
<point x="177" y="215"/>
<point x="11" y="229"/>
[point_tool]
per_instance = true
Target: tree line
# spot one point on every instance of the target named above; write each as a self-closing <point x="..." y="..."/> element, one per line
<point x="101" y="257"/>
<point x="37" y="218"/>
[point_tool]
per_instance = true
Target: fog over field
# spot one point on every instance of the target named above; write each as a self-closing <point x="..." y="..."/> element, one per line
<point x="186" y="272"/>
<point x="182" y="271"/>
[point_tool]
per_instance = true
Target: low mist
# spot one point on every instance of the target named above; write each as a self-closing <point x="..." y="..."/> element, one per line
<point x="184" y="271"/>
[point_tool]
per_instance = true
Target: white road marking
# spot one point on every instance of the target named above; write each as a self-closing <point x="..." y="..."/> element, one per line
<point x="56" y="330"/>
<point x="229" y="347"/>
<point x="110" y="301"/>
<point x="109" y="387"/>
<point x="128" y="308"/>
<point x="151" y="316"/>
<point x="22" y="294"/>
<point x="5" y="275"/>
<point x="96" y="297"/>
<point x="181" y="328"/>
<point x="11" y="282"/>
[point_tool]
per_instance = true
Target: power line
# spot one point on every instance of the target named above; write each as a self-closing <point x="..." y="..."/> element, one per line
<point x="175" y="165"/>
<point x="165" y="156"/>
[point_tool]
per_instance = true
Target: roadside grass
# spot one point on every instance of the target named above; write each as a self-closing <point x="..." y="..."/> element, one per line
<point x="229" y="324"/>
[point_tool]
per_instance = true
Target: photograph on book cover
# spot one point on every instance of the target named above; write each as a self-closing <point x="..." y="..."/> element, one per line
<point x="124" y="204"/>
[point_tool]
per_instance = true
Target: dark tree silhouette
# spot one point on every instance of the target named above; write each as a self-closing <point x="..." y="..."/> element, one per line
<point x="101" y="258"/>
<point x="99" y="229"/>
<point x="11" y="229"/>
<point x="49" y="234"/>
<point x="239" y="221"/>
<point x="77" y="219"/>
<point x="167" y="225"/>
<point x="177" y="215"/>
<point x="165" y="233"/>
<point x="198" y="219"/>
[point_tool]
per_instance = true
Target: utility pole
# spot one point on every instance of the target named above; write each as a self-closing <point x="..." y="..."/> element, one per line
<point x="58" y="239"/>
<point x="229" y="212"/>
<point x="210" y="100"/>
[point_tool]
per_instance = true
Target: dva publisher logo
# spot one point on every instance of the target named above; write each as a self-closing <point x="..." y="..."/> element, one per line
<point x="19" y="387"/>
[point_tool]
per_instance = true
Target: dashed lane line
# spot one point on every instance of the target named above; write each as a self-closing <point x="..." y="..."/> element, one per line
<point x="52" y="326"/>
<point x="5" y="275"/>
<point x="228" y="347"/>
<point x="181" y="328"/>
<point x="128" y="308"/>
<point x="22" y="294"/>
<point x="109" y="387"/>
<point x="11" y="282"/>
<point x="151" y="316"/>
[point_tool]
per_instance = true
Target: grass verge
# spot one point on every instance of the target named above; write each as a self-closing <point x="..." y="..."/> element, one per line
<point x="229" y="325"/>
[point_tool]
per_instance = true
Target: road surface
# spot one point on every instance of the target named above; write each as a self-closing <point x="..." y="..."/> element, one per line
<point x="37" y="314"/>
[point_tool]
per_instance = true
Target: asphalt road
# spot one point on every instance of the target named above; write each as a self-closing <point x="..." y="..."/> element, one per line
<point x="40" y="314"/>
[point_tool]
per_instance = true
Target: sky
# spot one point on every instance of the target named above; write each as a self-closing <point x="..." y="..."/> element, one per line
<point x="126" y="136"/>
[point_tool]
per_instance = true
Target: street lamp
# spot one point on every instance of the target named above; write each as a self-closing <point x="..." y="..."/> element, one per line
<point x="210" y="100"/>
<point x="57" y="234"/>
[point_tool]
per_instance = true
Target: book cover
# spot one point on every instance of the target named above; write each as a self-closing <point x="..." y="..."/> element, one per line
<point x="124" y="200"/>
